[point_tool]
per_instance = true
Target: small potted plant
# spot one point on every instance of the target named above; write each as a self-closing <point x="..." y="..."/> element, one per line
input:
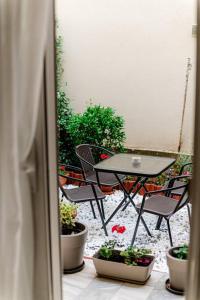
<point x="131" y="265"/>
<point x="177" y="261"/>
<point x="73" y="238"/>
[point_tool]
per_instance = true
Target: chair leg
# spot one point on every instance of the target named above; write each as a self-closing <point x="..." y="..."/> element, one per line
<point x="189" y="213"/>
<point x="158" y="224"/>
<point x="102" y="208"/>
<point x="93" y="211"/>
<point x="102" y="219"/>
<point x="169" y="231"/>
<point x="145" y="226"/>
<point x="136" y="229"/>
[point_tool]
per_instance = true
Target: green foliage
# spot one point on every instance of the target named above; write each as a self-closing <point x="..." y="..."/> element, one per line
<point x="64" y="111"/>
<point x="68" y="212"/>
<point x="181" y="160"/>
<point x="106" y="250"/>
<point x="98" y="125"/>
<point x="59" y="60"/>
<point x="65" y="141"/>
<point x="181" y="252"/>
<point x="131" y="254"/>
<point x="62" y="172"/>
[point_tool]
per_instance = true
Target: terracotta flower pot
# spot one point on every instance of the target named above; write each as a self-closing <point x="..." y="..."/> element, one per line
<point x="62" y="180"/>
<point x="107" y="189"/>
<point x="177" y="270"/>
<point x="149" y="186"/>
<point x="121" y="271"/>
<point x="75" y="175"/>
<point x="157" y="187"/>
<point x="128" y="185"/>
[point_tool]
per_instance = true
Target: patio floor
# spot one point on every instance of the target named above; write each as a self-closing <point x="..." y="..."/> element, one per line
<point x="86" y="285"/>
<point x="159" y="243"/>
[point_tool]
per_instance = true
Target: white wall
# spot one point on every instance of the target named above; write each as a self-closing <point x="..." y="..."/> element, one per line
<point x="132" y="55"/>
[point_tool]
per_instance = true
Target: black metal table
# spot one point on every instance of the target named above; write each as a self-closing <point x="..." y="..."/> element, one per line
<point x="150" y="166"/>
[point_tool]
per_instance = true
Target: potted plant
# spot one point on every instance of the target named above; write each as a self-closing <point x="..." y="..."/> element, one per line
<point x="75" y="174"/>
<point x="73" y="238"/>
<point x="177" y="261"/>
<point x="131" y="265"/>
<point x="62" y="180"/>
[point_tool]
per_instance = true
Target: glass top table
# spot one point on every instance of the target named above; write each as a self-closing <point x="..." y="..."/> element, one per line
<point x="148" y="166"/>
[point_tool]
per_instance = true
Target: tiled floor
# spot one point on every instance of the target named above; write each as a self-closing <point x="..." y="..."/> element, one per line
<point x="85" y="285"/>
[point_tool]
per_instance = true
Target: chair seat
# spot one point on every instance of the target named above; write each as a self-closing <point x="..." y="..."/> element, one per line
<point x="83" y="194"/>
<point x="105" y="178"/>
<point x="160" y="205"/>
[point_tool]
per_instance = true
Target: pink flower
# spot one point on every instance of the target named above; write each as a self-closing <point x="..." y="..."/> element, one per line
<point x="186" y="173"/>
<point x="104" y="156"/>
<point x="118" y="229"/>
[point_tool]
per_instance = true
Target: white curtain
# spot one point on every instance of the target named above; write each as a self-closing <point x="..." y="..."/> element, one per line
<point x="23" y="34"/>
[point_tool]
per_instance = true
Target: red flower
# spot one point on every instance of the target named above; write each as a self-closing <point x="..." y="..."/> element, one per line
<point x="104" y="156"/>
<point x="62" y="168"/>
<point x="118" y="229"/>
<point x="115" y="228"/>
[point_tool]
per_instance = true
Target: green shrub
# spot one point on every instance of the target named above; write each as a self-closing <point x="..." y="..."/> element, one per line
<point x="65" y="141"/>
<point x="181" y="160"/>
<point x="64" y="111"/>
<point x="98" y="125"/>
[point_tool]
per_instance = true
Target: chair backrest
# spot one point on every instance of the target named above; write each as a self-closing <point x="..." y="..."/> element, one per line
<point x="84" y="153"/>
<point x="186" y="168"/>
<point x="184" y="198"/>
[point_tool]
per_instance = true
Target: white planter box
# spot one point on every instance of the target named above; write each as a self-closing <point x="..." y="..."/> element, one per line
<point x="121" y="271"/>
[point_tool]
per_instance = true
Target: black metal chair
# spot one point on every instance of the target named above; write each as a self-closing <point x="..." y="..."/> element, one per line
<point x="86" y="192"/>
<point x="178" y="183"/>
<point x="177" y="192"/>
<point x="89" y="155"/>
<point x="162" y="204"/>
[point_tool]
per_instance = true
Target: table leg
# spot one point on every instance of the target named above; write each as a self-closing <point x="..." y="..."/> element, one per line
<point x="127" y="195"/>
<point x="132" y="202"/>
<point x="136" y="228"/>
<point x="124" y="200"/>
<point x="134" y="195"/>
